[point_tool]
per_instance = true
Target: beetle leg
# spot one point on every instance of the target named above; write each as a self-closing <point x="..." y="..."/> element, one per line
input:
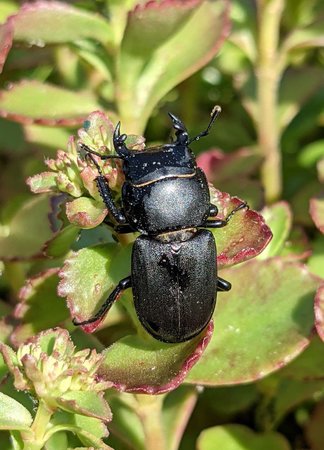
<point x="213" y="210"/>
<point x="104" y="190"/>
<point x="223" y="285"/>
<point x="219" y="223"/>
<point x="125" y="283"/>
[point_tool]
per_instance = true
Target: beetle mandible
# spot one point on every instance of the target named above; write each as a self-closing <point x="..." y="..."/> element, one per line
<point x="166" y="198"/>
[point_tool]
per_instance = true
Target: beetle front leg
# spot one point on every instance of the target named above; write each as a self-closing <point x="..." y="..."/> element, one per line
<point x="219" y="223"/>
<point x="103" y="187"/>
<point x="125" y="283"/>
<point x="105" y="193"/>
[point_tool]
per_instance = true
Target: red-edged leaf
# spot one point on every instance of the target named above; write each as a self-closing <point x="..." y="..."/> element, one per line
<point x="88" y="275"/>
<point x="42" y="182"/>
<point x="85" y="212"/>
<point x="6" y="36"/>
<point x="136" y="364"/>
<point x="264" y="322"/>
<point x="30" y="102"/>
<point x="317" y="211"/>
<point x="219" y="166"/>
<point x="52" y="22"/>
<point x="244" y="237"/>
<point x="319" y="311"/>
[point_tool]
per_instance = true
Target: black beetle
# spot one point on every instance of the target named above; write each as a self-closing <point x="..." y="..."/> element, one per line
<point x="166" y="198"/>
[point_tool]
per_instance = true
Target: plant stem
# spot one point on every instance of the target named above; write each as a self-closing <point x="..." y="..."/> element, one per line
<point x="149" y="411"/>
<point x="268" y="76"/>
<point x="41" y="421"/>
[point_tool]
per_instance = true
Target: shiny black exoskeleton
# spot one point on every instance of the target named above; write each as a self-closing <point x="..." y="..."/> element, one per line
<point x="166" y="198"/>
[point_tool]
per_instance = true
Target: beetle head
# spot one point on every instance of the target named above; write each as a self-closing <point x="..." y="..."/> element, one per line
<point x="119" y="142"/>
<point x="181" y="131"/>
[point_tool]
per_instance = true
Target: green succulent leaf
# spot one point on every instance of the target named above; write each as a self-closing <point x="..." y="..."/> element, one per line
<point x="42" y="182"/>
<point x="264" y="322"/>
<point x="87" y="403"/>
<point x="37" y="296"/>
<point x="85" y="212"/>
<point x="61" y="242"/>
<point x="53" y="22"/>
<point x="157" y="51"/>
<point x="143" y="364"/>
<point x="13" y="415"/>
<point x="89" y="274"/>
<point x="25" y="234"/>
<point x="279" y="219"/>
<point x="305" y="38"/>
<point x="36" y="102"/>
<point x="6" y="36"/>
<point x="177" y="408"/>
<point x="239" y="437"/>
<point x="309" y="365"/>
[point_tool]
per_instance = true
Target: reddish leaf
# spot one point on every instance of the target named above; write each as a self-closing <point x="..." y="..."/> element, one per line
<point x="317" y="211"/>
<point x="6" y="36"/>
<point x="319" y="311"/>
<point x="219" y="166"/>
<point x="85" y="212"/>
<point x="244" y="237"/>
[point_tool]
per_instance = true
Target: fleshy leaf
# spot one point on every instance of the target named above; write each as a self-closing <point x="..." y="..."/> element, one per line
<point x="309" y="365"/>
<point x="279" y="219"/>
<point x="35" y="102"/>
<point x="6" y="36"/>
<point x="42" y="182"/>
<point x="239" y="437"/>
<point x="86" y="403"/>
<point x="288" y="395"/>
<point x="314" y="428"/>
<point x="85" y="212"/>
<point x="61" y="242"/>
<point x="37" y="297"/>
<point x="28" y="230"/>
<point x="219" y="166"/>
<point x="157" y="51"/>
<point x="264" y="322"/>
<point x="13" y="415"/>
<point x="137" y="364"/>
<point x="87" y="276"/>
<point x="52" y="22"/>
<point x="317" y="211"/>
<point x="244" y="237"/>
<point x="319" y="311"/>
<point x="177" y="409"/>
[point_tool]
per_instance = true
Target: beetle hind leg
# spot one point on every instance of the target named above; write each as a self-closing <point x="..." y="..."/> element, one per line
<point x="125" y="283"/>
<point x="223" y="285"/>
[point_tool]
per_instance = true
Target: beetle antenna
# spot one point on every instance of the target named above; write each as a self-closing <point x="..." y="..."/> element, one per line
<point x="214" y="114"/>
